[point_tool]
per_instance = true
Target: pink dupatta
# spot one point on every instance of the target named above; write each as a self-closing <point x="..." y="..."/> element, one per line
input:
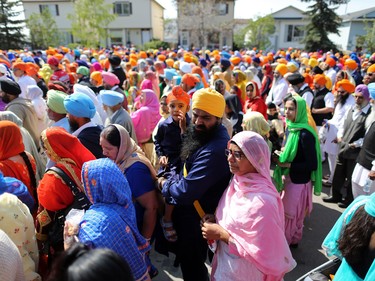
<point x="252" y="212"/>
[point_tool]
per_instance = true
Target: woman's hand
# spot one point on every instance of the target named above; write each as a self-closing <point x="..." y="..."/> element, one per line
<point x="213" y="231"/>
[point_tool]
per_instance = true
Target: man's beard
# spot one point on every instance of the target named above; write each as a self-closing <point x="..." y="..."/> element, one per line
<point x="73" y="125"/>
<point x="195" y="139"/>
<point x="342" y="99"/>
<point x="5" y="99"/>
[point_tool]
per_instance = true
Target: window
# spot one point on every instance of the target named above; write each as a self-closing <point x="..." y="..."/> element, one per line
<point x="52" y="8"/>
<point x="295" y="33"/>
<point x="222" y="9"/>
<point x="122" y="8"/>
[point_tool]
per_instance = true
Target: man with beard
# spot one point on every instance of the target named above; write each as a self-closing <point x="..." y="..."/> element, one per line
<point x="352" y="68"/>
<point x="23" y="108"/>
<point x="350" y="139"/>
<point x="203" y="179"/>
<point x="80" y="109"/>
<point x="365" y="167"/>
<point x="112" y="105"/>
<point x="328" y="132"/>
<point x="279" y="88"/>
<point x="301" y="87"/>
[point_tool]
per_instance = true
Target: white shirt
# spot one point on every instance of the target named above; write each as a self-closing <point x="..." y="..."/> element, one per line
<point x="308" y="96"/>
<point x="278" y="92"/>
<point x="80" y="129"/>
<point x="25" y="81"/>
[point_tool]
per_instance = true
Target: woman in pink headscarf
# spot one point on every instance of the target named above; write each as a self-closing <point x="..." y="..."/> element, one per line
<point x="151" y="77"/>
<point x="249" y="227"/>
<point x="145" y="120"/>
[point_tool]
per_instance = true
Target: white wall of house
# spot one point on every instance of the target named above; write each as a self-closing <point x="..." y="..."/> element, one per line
<point x="144" y="22"/>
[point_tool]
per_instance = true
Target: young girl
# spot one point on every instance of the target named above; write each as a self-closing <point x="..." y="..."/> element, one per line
<point x="168" y="142"/>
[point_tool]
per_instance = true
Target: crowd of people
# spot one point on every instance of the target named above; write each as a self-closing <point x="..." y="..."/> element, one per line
<point x="105" y="152"/>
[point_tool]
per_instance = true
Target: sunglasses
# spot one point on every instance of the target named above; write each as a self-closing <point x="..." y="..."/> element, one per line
<point x="236" y="154"/>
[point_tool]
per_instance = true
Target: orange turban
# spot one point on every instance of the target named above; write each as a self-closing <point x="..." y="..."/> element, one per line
<point x="97" y="76"/>
<point x="142" y="55"/>
<point x="371" y="69"/>
<point x="134" y="57"/>
<point x="32" y="68"/>
<point x="190" y="80"/>
<point x="178" y="94"/>
<point x="59" y="56"/>
<point x="346" y="85"/>
<point x="20" y="65"/>
<point x="281" y="68"/>
<point x="351" y="64"/>
<point x="169" y="62"/>
<point x="187" y="58"/>
<point x="161" y="57"/>
<point x="320" y="79"/>
<point x="282" y="61"/>
<point x="133" y="62"/>
<point x="330" y="61"/>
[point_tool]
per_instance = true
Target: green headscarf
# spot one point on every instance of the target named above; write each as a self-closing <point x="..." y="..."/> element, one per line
<point x="291" y="147"/>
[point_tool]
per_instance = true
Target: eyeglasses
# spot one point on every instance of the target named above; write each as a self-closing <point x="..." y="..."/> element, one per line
<point x="237" y="154"/>
<point x="358" y="97"/>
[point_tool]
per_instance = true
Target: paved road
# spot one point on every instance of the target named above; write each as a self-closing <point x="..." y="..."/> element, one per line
<point x="308" y="255"/>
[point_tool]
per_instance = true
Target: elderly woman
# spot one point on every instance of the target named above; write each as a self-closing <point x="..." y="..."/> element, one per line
<point x="14" y="160"/>
<point x="352" y="239"/>
<point x="249" y="224"/>
<point x="300" y="164"/>
<point x="55" y="193"/>
<point x="110" y="222"/>
<point x="145" y="120"/>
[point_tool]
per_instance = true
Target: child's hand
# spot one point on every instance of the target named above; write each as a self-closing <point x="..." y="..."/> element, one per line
<point x="163" y="161"/>
<point x="182" y="121"/>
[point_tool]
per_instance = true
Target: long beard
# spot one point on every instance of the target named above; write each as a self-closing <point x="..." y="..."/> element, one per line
<point x="195" y="139"/>
<point x="342" y="99"/>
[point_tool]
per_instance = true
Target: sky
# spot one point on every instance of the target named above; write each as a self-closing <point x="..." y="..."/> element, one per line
<point x="246" y="9"/>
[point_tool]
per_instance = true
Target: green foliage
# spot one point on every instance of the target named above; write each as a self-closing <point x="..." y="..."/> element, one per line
<point x="90" y="20"/>
<point x="43" y="30"/>
<point x="323" y="20"/>
<point x="11" y="26"/>
<point x="256" y="33"/>
<point x="367" y="42"/>
<point x="156" y="44"/>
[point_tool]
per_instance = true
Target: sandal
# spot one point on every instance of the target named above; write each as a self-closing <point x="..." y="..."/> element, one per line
<point x="169" y="232"/>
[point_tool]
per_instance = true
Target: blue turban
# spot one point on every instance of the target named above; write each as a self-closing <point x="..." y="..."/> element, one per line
<point x="225" y="62"/>
<point x="203" y="62"/>
<point x="371" y="89"/>
<point x="225" y="55"/>
<point x="178" y="80"/>
<point x="80" y="105"/>
<point x="169" y="73"/>
<point x="111" y="98"/>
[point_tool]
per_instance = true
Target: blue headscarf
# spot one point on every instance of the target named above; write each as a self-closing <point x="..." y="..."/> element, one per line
<point x="110" y="222"/>
<point x="330" y="243"/>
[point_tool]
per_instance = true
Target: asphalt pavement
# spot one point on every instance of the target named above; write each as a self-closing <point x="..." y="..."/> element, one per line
<point x="308" y="255"/>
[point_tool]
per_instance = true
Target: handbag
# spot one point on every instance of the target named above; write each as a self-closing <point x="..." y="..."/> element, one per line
<point x="80" y="202"/>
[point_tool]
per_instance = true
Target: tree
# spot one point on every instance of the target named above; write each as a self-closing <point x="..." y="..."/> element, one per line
<point x="43" y="30"/>
<point x="367" y="42"/>
<point x="323" y="20"/>
<point x="11" y="25"/>
<point x="90" y="21"/>
<point x="256" y="33"/>
<point x="200" y="18"/>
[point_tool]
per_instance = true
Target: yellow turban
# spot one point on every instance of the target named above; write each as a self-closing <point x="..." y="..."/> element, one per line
<point x="210" y="101"/>
<point x="281" y="68"/>
<point x="313" y="62"/>
<point x="371" y="69"/>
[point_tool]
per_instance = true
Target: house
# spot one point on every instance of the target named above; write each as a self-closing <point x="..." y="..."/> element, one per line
<point x="137" y="22"/>
<point x="352" y="26"/>
<point x="289" y="28"/>
<point x="205" y="23"/>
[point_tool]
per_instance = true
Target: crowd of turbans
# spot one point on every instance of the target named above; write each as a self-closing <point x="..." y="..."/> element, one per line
<point x="94" y="129"/>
